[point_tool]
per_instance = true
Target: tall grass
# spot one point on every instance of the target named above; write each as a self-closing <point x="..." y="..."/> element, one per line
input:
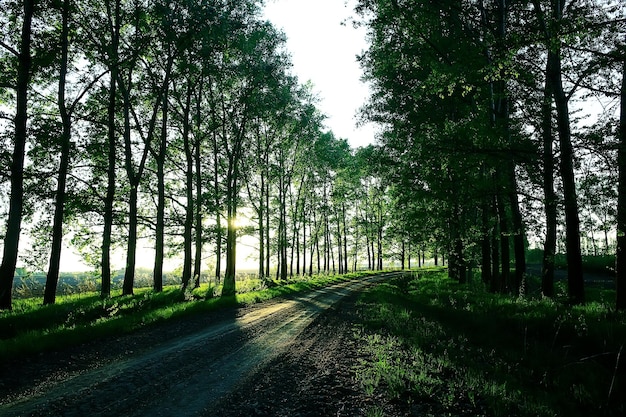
<point x="438" y="348"/>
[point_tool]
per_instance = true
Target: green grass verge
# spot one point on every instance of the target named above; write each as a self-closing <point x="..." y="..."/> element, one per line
<point x="31" y="328"/>
<point x="438" y="348"/>
<point x="604" y="264"/>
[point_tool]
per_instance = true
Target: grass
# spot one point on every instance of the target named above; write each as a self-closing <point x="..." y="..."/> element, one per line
<point x="438" y="348"/>
<point x="31" y="328"/>
<point x="591" y="263"/>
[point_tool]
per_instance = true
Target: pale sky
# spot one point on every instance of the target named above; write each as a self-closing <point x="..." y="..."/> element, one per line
<point x="324" y="52"/>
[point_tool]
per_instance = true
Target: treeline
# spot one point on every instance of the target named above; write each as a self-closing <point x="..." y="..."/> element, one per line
<point x="164" y="120"/>
<point x="487" y="142"/>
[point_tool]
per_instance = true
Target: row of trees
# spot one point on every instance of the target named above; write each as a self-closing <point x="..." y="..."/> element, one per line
<point x="166" y="120"/>
<point x="483" y="104"/>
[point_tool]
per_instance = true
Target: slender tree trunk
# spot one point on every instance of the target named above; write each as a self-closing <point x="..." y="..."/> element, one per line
<point x="313" y="241"/>
<point x="294" y="239"/>
<point x="218" y="210"/>
<point x="518" y="231"/>
<point x="133" y="179"/>
<point x="326" y="244"/>
<point x="317" y="243"/>
<point x="232" y="199"/>
<point x="380" y="238"/>
<point x="131" y="254"/>
<point x="282" y="222"/>
<point x="189" y="186"/>
<point x="159" y="238"/>
<point x="550" y="203"/>
<point x="297" y="251"/>
<point x="575" y="280"/>
<point x="461" y="265"/>
<point x="372" y="242"/>
<point x="197" y="266"/>
<point x="345" y="237"/>
<point x="14" y="221"/>
<point x="339" y="244"/>
<point x="262" y="229"/>
<point x="52" y="277"/>
<point x="504" y="245"/>
<point x="268" y="253"/>
<point x="495" y="252"/>
<point x="331" y="252"/>
<point x="621" y="201"/>
<point x="160" y="212"/>
<point x="303" y="241"/>
<point x="408" y="253"/>
<point x="486" y="244"/>
<point x="369" y="253"/>
<point x="105" y="290"/>
<point x="231" y="239"/>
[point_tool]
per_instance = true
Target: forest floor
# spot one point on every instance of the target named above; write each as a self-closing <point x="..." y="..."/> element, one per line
<point x="288" y="357"/>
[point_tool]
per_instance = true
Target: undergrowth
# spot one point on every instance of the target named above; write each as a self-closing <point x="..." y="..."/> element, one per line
<point x="435" y="347"/>
<point x="31" y="327"/>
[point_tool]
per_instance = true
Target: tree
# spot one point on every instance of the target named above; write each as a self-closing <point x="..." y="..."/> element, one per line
<point x="621" y="198"/>
<point x="113" y="13"/>
<point x="14" y="221"/>
<point x="66" y="114"/>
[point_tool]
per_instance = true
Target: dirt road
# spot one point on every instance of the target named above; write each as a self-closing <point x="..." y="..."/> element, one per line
<point x="212" y="365"/>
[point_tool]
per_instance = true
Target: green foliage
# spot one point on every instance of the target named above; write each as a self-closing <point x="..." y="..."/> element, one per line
<point x="449" y="350"/>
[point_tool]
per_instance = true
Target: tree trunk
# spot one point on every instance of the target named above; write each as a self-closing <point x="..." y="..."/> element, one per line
<point x="461" y="265"/>
<point x="133" y="179"/>
<point x="518" y="232"/>
<point x="231" y="238"/>
<point x="262" y="229"/>
<point x="369" y="252"/>
<point x="14" y="221"/>
<point x="550" y="203"/>
<point x="159" y="245"/>
<point x="189" y="186"/>
<point x="218" y="210"/>
<point x="620" y="266"/>
<point x="232" y="197"/>
<point x="312" y="225"/>
<point x="495" y="252"/>
<point x="131" y="250"/>
<point x="408" y="254"/>
<point x="52" y="277"/>
<point x="268" y="253"/>
<point x="485" y="246"/>
<point x="303" y="240"/>
<point x="504" y="245"/>
<point x="345" y="237"/>
<point x="105" y="290"/>
<point x="576" y="288"/>
<point x="197" y="266"/>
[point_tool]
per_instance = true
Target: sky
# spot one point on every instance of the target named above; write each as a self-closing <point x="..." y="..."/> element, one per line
<point x="324" y="52"/>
